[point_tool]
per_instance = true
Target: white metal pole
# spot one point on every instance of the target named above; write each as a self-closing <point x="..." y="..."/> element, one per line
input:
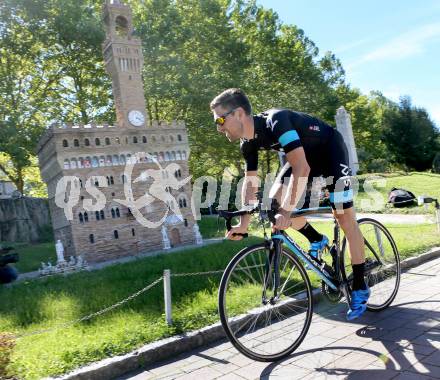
<point x="438" y="219"/>
<point x="167" y="295"/>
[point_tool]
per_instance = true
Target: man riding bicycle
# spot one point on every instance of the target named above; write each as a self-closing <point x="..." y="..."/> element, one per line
<point x="311" y="148"/>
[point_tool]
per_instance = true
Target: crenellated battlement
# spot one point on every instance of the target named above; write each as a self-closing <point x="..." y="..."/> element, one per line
<point x="95" y="126"/>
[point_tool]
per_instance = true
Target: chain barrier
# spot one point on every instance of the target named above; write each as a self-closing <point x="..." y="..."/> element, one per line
<point x="148" y="287"/>
<point x="197" y="273"/>
<point x="90" y="316"/>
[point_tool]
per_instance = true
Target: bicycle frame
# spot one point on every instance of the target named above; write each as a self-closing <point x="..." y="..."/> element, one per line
<point x="281" y="237"/>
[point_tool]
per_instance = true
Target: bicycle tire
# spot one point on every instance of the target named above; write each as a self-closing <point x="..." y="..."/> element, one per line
<point x="229" y="322"/>
<point x="374" y="277"/>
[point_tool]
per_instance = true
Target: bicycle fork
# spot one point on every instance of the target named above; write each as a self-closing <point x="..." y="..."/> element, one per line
<point x="272" y="272"/>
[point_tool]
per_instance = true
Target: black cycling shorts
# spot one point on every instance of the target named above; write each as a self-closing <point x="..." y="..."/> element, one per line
<point x="336" y="171"/>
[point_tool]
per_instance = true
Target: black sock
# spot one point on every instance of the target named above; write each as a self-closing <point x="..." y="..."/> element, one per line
<point x="310" y="233"/>
<point x="358" y="277"/>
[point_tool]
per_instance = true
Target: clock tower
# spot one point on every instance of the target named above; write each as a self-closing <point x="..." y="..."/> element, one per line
<point x="124" y="62"/>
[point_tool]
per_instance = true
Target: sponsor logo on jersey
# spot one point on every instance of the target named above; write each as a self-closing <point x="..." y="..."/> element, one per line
<point x="314" y="128"/>
<point x="271" y="124"/>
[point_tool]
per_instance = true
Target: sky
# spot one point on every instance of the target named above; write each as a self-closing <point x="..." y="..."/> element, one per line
<point x="390" y="46"/>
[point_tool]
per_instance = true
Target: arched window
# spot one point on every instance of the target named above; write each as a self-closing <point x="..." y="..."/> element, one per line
<point x="163" y="139"/>
<point x="113" y="213"/>
<point x="97" y="215"/>
<point x="115" y="160"/>
<point x="76" y="142"/>
<point x="186" y="222"/>
<point x="73" y="163"/>
<point x="167" y="156"/>
<point x="66" y="164"/>
<point x="81" y="218"/>
<point x="161" y="157"/>
<point x="86" y="142"/>
<point x="154" y="138"/>
<point x="173" y="156"/>
<point x="118" y="214"/>
<point x="97" y="142"/>
<point x="171" y="138"/>
<point x="179" y="137"/>
<point x="108" y="161"/>
<point x="144" y="139"/>
<point x="122" y="159"/>
<point x="65" y="144"/>
<point x="118" y="140"/>
<point x="91" y="238"/>
<point x="183" y="155"/>
<point x="88" y="162"/>
<point x="116" y="234"/>
<point x="80" y="162"/>
<point x="112" y="181"/>
<point x="95" y="162"/>
<point x="135" y="140"/>
<point x="179" y="155"/>
<point x="129" y="159"/>
<point x="86" y="217"/>
<point x="102" y="161"/>
<point x="101" y="214"/>
<point x="133" y="233"/>
<point x="107" y="141"/>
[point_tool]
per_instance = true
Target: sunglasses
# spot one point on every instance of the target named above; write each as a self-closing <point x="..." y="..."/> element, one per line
<point x="222" y="119"/>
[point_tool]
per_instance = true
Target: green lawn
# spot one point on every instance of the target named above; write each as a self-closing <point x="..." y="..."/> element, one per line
<point x="427" y="184"/>
<point x="44" y="303"/>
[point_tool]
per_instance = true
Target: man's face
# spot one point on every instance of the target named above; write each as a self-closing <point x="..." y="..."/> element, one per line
<point x="232" y="127"/>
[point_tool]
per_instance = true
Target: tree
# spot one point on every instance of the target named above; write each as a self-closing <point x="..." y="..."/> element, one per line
<point x="51" y="70"/>
<point x="411" y="135"/>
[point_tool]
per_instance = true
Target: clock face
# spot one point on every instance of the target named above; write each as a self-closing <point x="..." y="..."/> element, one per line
<point x="136" y="118"/>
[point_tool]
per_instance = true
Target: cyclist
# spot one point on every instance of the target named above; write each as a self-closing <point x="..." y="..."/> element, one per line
<point x="312" y="148"/>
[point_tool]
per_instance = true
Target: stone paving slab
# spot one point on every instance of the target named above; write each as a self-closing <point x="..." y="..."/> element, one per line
<point x="401" y="342"/>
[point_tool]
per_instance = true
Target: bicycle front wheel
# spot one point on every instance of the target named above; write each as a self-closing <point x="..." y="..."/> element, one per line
<point x="259" y="325"/>
<point x="382" y="263"/>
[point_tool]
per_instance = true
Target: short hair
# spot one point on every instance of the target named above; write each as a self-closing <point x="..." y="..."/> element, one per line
<point x="232" y="98"/>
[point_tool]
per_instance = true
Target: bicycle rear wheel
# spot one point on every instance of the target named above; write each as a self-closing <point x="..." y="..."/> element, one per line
<point x="382" y="263"/>
<point x="260" y="329"/>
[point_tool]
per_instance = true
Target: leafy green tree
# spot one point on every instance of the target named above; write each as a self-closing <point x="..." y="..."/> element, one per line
<point x="51" y="70"/>
<point x="411" y="135"/>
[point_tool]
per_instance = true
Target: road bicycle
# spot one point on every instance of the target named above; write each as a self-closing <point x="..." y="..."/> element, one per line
<point x="266" y="296"/>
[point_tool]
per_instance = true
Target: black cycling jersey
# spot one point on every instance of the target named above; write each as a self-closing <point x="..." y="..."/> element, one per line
<point x="284" y="130"/>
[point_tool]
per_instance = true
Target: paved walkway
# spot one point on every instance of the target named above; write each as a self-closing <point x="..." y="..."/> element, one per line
<point x="385" y="218"/>
<point x="401" y="343"/>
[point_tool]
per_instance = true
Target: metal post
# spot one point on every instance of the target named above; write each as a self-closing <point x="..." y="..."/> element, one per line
<point x="437" y="211"/>
<point x="167" y="295"/>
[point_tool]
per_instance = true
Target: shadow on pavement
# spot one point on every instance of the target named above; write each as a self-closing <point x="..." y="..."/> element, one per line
<point x="410" y="337"/>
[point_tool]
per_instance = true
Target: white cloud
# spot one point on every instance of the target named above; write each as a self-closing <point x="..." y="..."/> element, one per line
<point x="403" y="46"/>
<point x="351" y="45"/>
<point x="435" y="114"/>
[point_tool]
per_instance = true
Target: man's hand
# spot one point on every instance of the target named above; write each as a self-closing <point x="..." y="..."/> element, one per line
<point x="236" y="230"/>
<point x="282" y="220"/>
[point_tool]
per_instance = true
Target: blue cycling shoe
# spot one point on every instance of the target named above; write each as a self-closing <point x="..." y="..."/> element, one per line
<point x="358" y="304"/>
<point x="317" y="247"/>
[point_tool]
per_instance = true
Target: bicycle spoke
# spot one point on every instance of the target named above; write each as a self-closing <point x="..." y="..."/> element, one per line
<point x="265" y="326"/>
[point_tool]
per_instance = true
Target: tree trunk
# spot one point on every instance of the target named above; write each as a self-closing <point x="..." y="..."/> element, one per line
<point x="20" y="180"/>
